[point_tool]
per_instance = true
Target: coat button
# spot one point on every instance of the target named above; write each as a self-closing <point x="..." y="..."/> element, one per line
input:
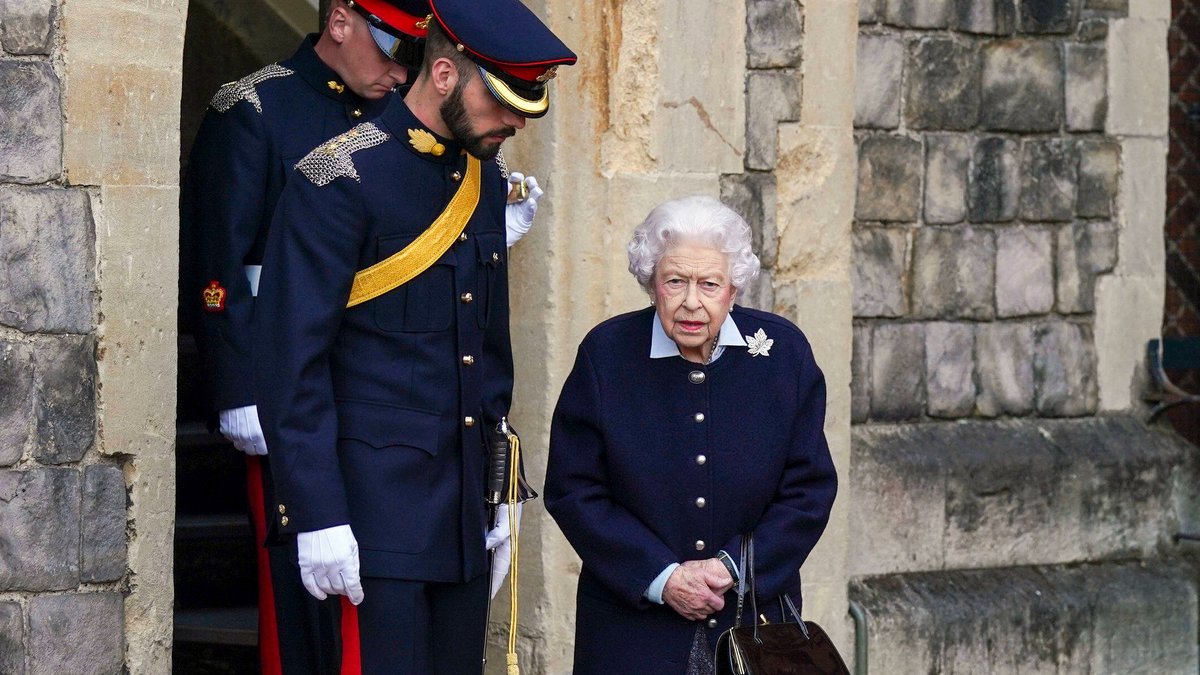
<point x="462" y="237"/>
<point x="696" y="377"/>
<point x="699" y="417"/>
<point x="712" y="623"/>
<point x="495" y="257"/>
<point x="282" y="509"/>
<point x="468" y="360"/>
<point x="469" y="421"/>
<point x="456" y="176"/>
<point x="700" y="502"/>
<point x="467" y="298"/>
<point x="701" y="459"/>
<point x="699" y="544"/>
<point x="283" y="521"/>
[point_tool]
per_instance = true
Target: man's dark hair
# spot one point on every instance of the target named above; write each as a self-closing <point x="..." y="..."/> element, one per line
<point x="438" y="45"/>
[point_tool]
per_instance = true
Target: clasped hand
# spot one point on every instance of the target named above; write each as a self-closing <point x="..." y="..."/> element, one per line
<point x="696" y="588"/>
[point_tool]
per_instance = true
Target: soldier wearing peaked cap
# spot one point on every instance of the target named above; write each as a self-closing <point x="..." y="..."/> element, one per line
<point x="383" y="341"/>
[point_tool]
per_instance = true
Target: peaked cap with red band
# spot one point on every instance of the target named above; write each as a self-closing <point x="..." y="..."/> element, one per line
<point x="516" y="53"/>
<point x="398" y="27"/>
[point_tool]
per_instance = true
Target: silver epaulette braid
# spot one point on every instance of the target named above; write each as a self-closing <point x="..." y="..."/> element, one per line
<point x="332" y="160"/>
<point x="245" y="88"/>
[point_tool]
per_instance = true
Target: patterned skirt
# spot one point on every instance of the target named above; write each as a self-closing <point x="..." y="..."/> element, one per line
<point x="700" y="661"/>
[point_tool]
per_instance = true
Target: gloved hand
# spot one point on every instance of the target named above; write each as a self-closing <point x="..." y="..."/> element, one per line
<point x="241" y="427"/>
<point x="329" y="563"/>
<point x="518" y="216"/>
<point x="499" y="540"/>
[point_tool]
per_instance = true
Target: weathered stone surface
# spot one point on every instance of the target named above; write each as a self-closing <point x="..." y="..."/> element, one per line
<point x="30" y="122"/>
<point x="947" y="167"/>
<point x="39" y="530"/>
<point x="889" y="179"/>
<point x="752" y="195"/>
<point x="897" y="387"/>
<point x="1004" y="362"/>
<point x="94" y="622"/>
<point x="860" y="374"/>
<point x="1085" y="250"/>
<point x="878" y="272"/>
<point x="868" y="11"/>
<point x="47" y="258"/>
<point x="103" y="519"/>
<point x="880" y="63"/>
<point x="12" y="639"/>
<point x="16" y="391"/>
<point x="1091" y="30"/>
<point x="1099" y="167"/>
<point x="1022" y="86"/>
<point x="25" y="26"/>
<point x="988" y="17"/>
<point x="760" y="294"/>
<point x="1024" y="272"/>
<point x="1064" y="366"/>
<point x="1048" y="16"/>
<point x="774" y="33"/>
<point x="1121" y="7"/>
<point x="995" y="180"/>
<point x="1048" y="176"/>
<point x="772" y="96"/>
<point x="1087" y="87"/>
<point x="66" y="398"/>
<point x="953" y="274"/>
<point x="943" y="85"/>
<point x="918" y="13"/>
<point x="950" y="369"/>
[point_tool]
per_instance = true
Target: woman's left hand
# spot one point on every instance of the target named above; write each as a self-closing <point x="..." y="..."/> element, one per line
<point x="689" y="591"/>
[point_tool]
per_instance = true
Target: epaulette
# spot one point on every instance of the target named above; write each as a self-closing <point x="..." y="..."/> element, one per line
<point x="331" y="159"/>
<point x="245" y="88"/>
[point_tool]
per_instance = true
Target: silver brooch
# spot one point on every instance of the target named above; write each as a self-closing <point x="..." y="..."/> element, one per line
<point x="759" y="343"/>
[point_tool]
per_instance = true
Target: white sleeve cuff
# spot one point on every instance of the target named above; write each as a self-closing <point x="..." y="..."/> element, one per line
<point x="655" y="591"/>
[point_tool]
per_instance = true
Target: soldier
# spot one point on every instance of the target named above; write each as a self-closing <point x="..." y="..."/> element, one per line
<point x="383" y="338"/>
<point x="255" y="131"/>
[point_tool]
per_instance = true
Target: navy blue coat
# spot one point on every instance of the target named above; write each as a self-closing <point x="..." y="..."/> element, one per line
<point x="625" y="472"/>
<point x="253" y="133"/>
<point x="365" y="409"/>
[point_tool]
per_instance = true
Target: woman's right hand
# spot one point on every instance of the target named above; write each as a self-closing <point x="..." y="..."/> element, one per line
<point x="690" y="589"/>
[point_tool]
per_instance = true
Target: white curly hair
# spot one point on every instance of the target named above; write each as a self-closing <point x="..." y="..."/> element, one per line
<point x="698" y="219"/>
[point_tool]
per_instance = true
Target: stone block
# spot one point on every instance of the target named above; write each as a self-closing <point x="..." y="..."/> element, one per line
<point x="880" y="64"/>
<point x="12" y="639"/>
<point x="1092" y="30"/>
<point x="1024" y="272"/>
<point x="889" y="179"/>
<point x="1004" y="363"/>
<point x="95" y="623"/>
<point x="772" y="96"/>
<point x="950" y="369"/>
<point x="103" y="518"/>
<point x="774" y="33"/>
<point x="25" y="26"/>
<point x="986" y="17"/>
<point x="1048" y="16"/>
<point x="1064" y="368"/>
<point x="31" y="123"/>
<point x="994" y="189"/>
<point x="66" y="398"/>
<point x="1084" y="251"/>
<point x="39" y="530"/>
<point x="760" y="293"/>
<point x="16" y="390"/>
<point x="1087" y="93"/>
<point x="868" y="11"/>
<point x="947" y="168"/>
<point x="47" y="247"/>
<point x="1120" y="7"/>
<point x="752" y="195"/>
<point x="878" y="272"/>
<point x="953" y="273"/>
<point x="1048" y="177"/>
<point x="897" y="387"/>
<point x="1140" y="70"/>
<point x="860" y="374"/>
<point x="1022" y="86"/>
<point x="918" y="13"/>
<point x="942" y="85"/>
<point x="1099" y="170"/>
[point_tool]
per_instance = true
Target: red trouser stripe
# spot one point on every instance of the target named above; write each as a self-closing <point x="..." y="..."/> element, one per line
<point x="268" y="628"/>
<point x="351" y="643"/>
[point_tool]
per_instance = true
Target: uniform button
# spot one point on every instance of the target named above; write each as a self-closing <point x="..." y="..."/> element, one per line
<point x="456" y="176"/>
<point x="468" y="360"/>
<point x="696" y="377"/>
<point x="467" y="298"/>
<point x="712" y="623"/>
<point x="699" y="544"/>
<point x="282" y="509"/>
<point x="700" y="502"/>
<point x="357" y="113"/>
<point x="699" y="417"/>
<point x="469" y="421"/>
<point x="283" y="521"/>
<point x="701" y="459"/>
<point x="462" y="237"/>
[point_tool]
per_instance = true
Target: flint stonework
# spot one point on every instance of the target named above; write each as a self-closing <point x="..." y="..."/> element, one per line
<point x="889" y="179"/>
<point x="12" y="639"/>
<point x="943" y="85"/>
<point x="1064" y="364"/>
<point x="66" y="398"/>
<point x="30" y="122"/>
<point x="103" y="524"/>
<point x="1022" y="86"/>
<point x="878" y="272"/>
<point x="16" y="391"/>
<point x="954" y="273"/>
<point x="1087" y="98"/>
<point x="25" y="26"/>
<point x="772" y="96"/>
<point x="995" y="180"/>
<point x="774" y="35"/>
<point x="1048" y="16"/>
<point x="39" y="530"/>
<point x="1048" y="177"/>
<point x="94" y="622"/>
<point x="897" y="387"/>
<point x="1092" y="30"/>
<point x="860" y="374"/>
<point x="1119" y="6"/>
<point x="1099" y="167"/>
<point x="1004" y="363"/>
<point x="947" y="166"/>
<point x="1084" y="251"/>
<point x="918" y="13"/>
<point x="950" y="369"/>
<point x="752" y="196"/>
<point x="1024" y="272"/>
<point x="868" y="11"/>
<point x="880" y="63"/>
<point x="986" y="17"/>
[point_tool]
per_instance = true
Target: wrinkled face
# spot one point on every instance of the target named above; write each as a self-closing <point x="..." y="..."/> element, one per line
<point x="693" y="295"/>
<point x="476" y="119"/>
<point x="369" y="72"/>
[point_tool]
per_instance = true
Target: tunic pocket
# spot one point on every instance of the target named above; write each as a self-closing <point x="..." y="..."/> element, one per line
<point x="424" y="304"/>
<point x="492" y="253"/>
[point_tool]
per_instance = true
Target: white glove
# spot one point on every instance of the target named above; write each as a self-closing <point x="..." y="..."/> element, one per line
<point x="518" y="217"/>
<point x="329" y="563"/>
<point x="499" y="540"/>
<point x="241" y="427"/>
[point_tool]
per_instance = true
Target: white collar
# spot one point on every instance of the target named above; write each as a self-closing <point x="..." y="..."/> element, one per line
<point x="662" y="346"/>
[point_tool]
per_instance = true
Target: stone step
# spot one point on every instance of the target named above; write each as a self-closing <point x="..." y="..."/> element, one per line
<point x="1095" y="619"/>
<point x="226" y="626"/>
<point x="214" y="561"/>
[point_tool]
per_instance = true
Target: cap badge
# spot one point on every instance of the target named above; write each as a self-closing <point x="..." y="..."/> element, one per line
<point x="423" y="24"/>
<point x="550" y="74"/>
<point x="214" y="297"/>
<point x="336" y="86"/>
<point x="424" y="142"/>
<point x="759" y="343"/>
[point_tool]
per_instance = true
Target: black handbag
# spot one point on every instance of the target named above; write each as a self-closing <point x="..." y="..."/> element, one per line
<point x="785" y="648"/>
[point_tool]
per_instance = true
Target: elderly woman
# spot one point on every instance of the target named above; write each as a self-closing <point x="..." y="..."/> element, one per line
<point x="682" y="429"/>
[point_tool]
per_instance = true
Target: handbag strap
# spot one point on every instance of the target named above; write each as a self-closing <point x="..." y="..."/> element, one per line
<point x="785" y="600"/>
<point x="741" y="584"/>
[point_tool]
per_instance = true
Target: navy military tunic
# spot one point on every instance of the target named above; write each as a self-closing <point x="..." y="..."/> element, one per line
<point x="375" y="414"/>
<point x="657" y="461"/>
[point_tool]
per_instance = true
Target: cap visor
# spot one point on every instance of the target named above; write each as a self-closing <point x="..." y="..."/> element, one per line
<point x="513" y="101"/>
